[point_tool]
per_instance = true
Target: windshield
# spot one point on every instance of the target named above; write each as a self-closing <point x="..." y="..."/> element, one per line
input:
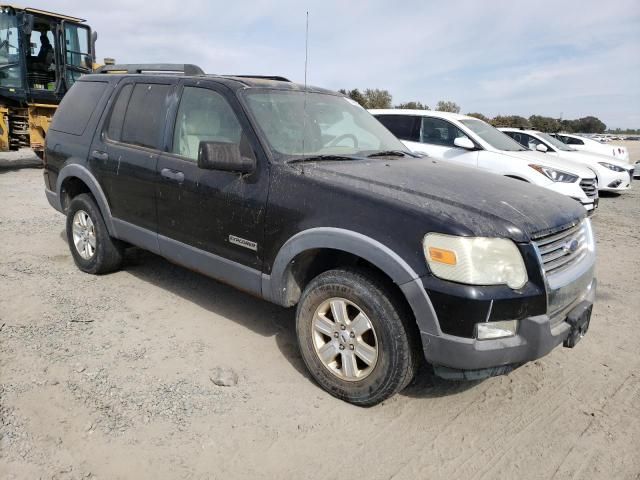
<point x="332" y="125"/>
<point x="555" y="142"/>
<point x="492" y="136"/>
<point x="10" y="72"/>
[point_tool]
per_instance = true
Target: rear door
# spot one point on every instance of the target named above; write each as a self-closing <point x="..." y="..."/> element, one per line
<point x="125" y="152"/>
<point x="203" y="212"/>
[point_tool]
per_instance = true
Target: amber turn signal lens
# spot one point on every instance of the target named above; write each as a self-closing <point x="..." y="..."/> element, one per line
<point x="442" y="256"/>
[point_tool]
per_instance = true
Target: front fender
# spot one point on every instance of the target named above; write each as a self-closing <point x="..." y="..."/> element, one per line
<point x="274" y="286"/>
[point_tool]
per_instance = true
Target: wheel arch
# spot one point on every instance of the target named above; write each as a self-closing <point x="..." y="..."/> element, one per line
<point x="313" y="251"/>
<point x="74" y="179"/>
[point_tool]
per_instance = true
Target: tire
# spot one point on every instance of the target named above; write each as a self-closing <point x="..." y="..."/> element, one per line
<point x="391" y="335"/>
<point x="103" y="253"/>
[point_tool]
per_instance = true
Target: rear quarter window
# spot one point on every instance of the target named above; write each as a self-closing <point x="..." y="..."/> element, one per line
<point x="77" y="106"/>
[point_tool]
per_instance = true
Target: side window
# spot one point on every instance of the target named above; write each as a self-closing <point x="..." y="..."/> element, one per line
<point x="402" y="126"/>
<point x="436" y="131"/>
<point x="530" y="142"/>
<point x="519" y="137"/>
<point x="144" y="120"/>
<point x="114" y="129"/>
<point x="76" y="107"/>
<point x="574" y="141"/>
<point x="204" y="115"/>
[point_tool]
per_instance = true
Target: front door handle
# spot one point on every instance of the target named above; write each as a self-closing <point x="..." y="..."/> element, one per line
<point x="174" y="175"/>
<point x="101" y="156"/>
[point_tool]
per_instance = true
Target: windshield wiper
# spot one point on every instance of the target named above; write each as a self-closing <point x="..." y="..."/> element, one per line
<point x="316" y="158"/>
<point x="391" y="153"/>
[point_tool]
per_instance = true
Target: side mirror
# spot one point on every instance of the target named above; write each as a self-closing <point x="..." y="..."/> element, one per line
<point x="224" y="156"/>
<point x="464" y="142"/>
<point x="541" y="148"/>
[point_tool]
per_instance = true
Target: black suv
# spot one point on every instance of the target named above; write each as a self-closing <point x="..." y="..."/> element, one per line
<point x="300" y="196"/>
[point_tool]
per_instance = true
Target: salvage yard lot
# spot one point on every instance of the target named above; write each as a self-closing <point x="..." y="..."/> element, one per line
<point x="111" y="377"/>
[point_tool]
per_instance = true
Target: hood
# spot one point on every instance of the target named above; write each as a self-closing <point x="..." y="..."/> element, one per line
<point x="469" y="201"/>
<point x="544" y="159"/>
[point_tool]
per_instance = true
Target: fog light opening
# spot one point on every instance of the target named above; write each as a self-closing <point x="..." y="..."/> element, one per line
<point x="492" y="330"/>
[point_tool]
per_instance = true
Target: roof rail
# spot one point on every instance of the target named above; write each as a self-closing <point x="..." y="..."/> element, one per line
<point x="263" y="77"/>
<point x="149" y="68"/>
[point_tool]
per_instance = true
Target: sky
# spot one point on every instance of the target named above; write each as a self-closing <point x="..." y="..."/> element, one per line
<point x="556" y="58"/>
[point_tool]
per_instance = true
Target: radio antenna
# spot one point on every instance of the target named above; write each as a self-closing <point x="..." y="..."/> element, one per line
<point x="304" y="108"/>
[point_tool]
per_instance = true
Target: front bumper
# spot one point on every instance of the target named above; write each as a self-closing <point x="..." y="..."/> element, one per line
<point x="611" y="181"/>
<point x="536" y="337"/>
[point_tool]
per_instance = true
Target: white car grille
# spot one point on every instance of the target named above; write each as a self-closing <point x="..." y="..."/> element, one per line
<point x="589" y="187"/>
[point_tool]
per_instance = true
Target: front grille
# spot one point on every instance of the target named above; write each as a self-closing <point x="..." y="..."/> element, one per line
<point x="589" y="187"/>
<point x="563" y="249"/>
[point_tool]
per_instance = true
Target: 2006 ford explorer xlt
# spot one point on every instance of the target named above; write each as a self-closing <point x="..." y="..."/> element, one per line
<point x="301" y="197"/>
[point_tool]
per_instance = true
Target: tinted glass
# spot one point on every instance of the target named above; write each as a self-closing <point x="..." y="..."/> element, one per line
<point x="114" y="130"/>
<point x="437" y="131"/>
<point x="402" y="126"/>
<point x="296" y="124"/>
<point x="573" y="141"/>
<point x="144" y="120"/>
<point x="76" y="107"/>
<point x="203" y="115"/>
<point x="557" y="144"/>
<point x="10" y="71"/>
<point x="492" y="135"/>
<point x="77" y="45"/>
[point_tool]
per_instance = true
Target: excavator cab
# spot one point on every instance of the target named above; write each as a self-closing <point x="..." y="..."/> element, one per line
<point x="41" y="55"/>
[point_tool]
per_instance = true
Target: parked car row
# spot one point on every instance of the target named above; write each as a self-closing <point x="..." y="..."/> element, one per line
<point x="471" y="142"/>
<point x="299" y="196"/>
<point x="613" y="175"/>
<point x="589" y="145"/>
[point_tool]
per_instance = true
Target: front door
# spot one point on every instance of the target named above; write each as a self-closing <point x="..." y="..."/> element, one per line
<point x="212" y="220"/>
<point x="436" y="140"/>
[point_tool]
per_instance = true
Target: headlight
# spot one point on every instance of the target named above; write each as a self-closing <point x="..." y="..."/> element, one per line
<point x="475" y="260"/>
<point x="554" y="174"/>
<point x="615" y="168"/>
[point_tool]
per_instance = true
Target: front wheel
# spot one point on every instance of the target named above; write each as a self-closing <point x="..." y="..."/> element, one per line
<point x="355" y="336"/>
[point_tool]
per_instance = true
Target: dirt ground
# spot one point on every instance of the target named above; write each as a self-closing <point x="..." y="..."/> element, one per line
<point x="111" y="377"/>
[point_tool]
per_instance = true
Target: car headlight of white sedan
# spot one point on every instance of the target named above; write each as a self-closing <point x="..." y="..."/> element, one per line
<point x="615" y="168"/>
<point x="554" y="174"/>
<point x="475" y="260"/>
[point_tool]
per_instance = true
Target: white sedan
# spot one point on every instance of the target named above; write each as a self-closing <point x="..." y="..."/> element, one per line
<point x="471" y="142"/>
<point x="589" y="145"/>
<point x="613" y="175"/>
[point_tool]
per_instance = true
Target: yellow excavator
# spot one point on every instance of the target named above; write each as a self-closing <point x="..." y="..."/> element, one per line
<point x="41" y="55"/>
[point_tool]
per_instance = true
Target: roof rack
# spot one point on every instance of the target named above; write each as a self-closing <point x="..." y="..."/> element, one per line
<point x="150" y="68"/>
<point x="263" y="77"/>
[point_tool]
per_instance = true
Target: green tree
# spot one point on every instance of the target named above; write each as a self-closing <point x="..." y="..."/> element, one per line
<point x="545" y="124"/>
<point x="413" y="106"/>
<point x="478" y="116"/>
<point x="447" y="106"/>
<point x="589" y="124"/>
<point x="513" y="121"/>
<point x="376" y="98"/>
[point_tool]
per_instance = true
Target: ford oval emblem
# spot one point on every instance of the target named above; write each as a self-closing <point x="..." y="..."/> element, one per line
<point x="571" y="246"/>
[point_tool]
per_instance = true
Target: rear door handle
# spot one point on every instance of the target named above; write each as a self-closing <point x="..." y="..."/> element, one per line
<point x="174" y="175"/>
<point x="98" y="155"/>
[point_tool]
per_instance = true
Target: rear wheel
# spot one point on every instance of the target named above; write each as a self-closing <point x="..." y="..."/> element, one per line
<point x="354" y="336"/>
<point x="93" y="250"/>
